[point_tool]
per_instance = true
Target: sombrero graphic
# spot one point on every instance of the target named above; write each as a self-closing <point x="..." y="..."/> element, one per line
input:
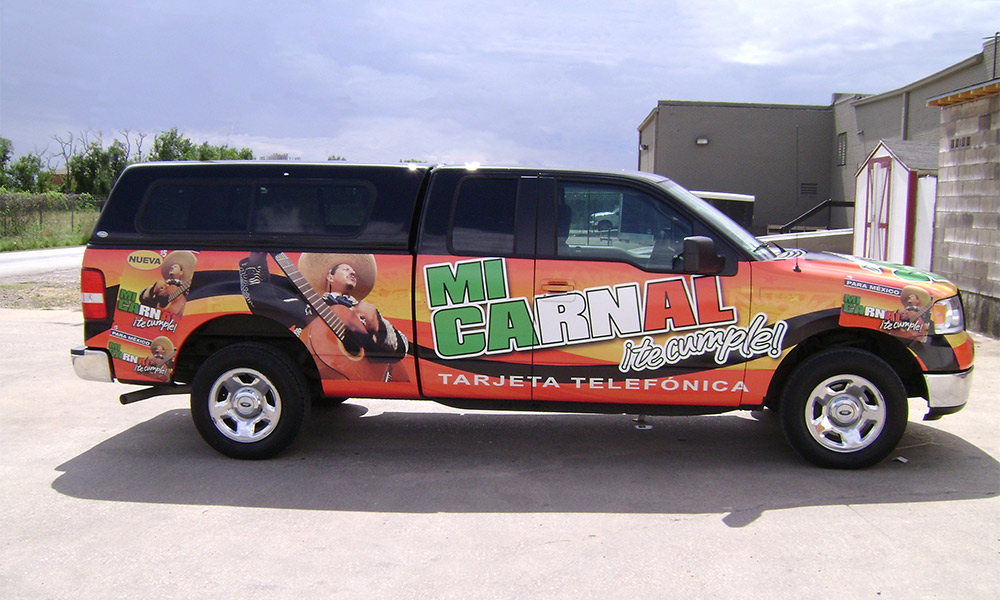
<point x="923" y="297"/>
<point x="165" y="343"/>
<point x="185" y="258"/>
<point x="316" y="266"/>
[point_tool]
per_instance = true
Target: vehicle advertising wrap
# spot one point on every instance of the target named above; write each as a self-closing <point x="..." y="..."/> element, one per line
<point x="519" y="329"/>
<point x="607" y="332"/>
<point x="152" y="296"/>
<point x="324" y="299"/>
<point x="895" y="300"/>
<point x="892" y="298"/>
<point x="587" y="331"/>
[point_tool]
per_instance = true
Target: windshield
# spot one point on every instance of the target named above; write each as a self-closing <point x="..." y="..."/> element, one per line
<point x="718" y="220"/>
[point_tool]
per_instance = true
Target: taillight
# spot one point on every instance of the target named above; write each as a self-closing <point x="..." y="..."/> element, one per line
<point x="92" y="294"/>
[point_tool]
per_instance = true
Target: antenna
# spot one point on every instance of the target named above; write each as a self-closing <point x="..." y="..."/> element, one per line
<point x="797" y="252"/>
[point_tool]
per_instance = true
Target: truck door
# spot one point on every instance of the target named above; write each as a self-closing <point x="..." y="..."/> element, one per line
<point x="473" y="285"/>
<point x="619" y="321"/>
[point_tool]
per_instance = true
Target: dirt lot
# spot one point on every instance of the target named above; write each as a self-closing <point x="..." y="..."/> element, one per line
<point x="57" y="289"/>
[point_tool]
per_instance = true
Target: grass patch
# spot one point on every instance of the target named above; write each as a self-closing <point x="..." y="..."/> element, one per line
<point x="50" y="229"/>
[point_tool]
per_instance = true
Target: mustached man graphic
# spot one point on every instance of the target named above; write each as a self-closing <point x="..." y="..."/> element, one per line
<point x="322" y="300"/>
<point x="170" y="292"/>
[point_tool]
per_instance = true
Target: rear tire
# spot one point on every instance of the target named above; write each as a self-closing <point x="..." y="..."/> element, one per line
<point x="844" y="408"/>
<point x="249" y="401"/>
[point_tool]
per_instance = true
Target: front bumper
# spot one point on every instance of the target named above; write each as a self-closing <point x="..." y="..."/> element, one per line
<point x="92" y="365"/>
<point x="947" y="394"/>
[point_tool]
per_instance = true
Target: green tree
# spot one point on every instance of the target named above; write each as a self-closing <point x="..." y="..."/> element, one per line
<point x="172" y="145"/>
<point x="6" y="152"/>
<point x="208" y="152"/>
<point x="25" y="174"/>
<point x="96" y="169"/>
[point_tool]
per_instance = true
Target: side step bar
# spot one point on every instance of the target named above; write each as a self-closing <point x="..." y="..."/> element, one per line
<point x="156" y="390"/>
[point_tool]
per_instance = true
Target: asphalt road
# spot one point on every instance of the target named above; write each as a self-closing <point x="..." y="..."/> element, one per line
<point x="383" y="499"/>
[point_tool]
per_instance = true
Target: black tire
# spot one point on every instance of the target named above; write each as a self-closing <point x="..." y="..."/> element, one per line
<point x="249" y="401"/>
<point x="844" y="408"/>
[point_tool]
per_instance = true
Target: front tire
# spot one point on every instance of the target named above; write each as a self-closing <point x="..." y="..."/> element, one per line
<point x="844" y="408"/>
<point x="249" y="401"/>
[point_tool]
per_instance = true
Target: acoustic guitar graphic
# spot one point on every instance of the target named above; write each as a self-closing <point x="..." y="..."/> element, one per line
<point x="341" y="362"/>
<point x="174" y="301"/>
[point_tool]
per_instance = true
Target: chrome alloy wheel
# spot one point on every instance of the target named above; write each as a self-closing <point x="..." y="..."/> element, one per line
<point x="244" y="405"/>
<point x="845" y="413"/>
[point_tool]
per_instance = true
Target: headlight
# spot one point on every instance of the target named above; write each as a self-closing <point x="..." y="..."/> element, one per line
<point x="947" y="315"/>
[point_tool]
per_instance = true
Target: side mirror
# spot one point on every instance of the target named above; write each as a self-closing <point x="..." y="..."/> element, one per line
<point x="699" y="256"/>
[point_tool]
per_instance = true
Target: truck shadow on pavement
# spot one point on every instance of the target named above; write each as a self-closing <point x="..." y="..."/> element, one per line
<point x="346" y="460"/>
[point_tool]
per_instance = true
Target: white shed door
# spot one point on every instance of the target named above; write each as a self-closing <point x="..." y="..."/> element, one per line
<point x="877" y="196"/>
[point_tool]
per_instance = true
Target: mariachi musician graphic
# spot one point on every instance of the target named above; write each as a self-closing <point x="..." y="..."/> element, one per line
<point x="170" y="292"/>
<point x="322" y="300"/>
<point x="160" y="362"/>
<point x="914" y="316"/>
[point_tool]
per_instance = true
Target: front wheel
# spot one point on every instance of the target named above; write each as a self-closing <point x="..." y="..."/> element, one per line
<point x="249" y="401"/>
<point x="844" y="408"/>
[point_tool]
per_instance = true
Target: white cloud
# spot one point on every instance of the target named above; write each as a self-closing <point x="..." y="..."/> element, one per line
<point x="783" y="32"/>
<point x="562" y="81"/>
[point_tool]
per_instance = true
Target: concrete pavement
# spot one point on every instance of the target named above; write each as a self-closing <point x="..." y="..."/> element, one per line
<point x="40" y="261"/>
<point x="383" y="499"/>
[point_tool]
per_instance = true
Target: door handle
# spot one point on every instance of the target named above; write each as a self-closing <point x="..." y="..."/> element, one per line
<point x="557" y="285"/>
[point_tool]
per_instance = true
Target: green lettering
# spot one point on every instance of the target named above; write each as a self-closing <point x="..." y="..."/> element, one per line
<point x="511" y="326"/>
<point x="496" y="278"/>
<point x="127" y="301"/>
<point x="463" y="285"/>
<point x="449" y="339"/>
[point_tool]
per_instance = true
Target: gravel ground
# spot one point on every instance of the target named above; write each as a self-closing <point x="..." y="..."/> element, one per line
<point x="54" y="290"/>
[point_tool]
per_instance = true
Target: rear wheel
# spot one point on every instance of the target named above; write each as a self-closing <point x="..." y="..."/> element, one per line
<point x="249" y="401"/>
<point x="844" y="408"/>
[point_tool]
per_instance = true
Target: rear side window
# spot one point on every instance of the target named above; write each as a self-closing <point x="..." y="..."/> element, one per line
<point x="340" y="209"/>
<point x="483" y="218"/>
<point x="193" y="206"/>
<point x="319" y="208"/>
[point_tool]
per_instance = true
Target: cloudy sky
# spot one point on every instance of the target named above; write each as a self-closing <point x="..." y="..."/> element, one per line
<point x="562" y="83"/>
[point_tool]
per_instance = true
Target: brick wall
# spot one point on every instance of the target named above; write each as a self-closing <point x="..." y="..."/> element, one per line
<point x="967" y="226"/>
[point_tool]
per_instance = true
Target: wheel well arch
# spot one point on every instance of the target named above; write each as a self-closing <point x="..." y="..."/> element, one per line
<point x="226" y="330"/>
<point x="889" y="348"/>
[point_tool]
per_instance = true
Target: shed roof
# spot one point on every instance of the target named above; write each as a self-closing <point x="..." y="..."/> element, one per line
<point x="921" y="157"/>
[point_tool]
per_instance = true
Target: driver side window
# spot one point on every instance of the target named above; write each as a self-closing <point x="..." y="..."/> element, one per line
<point x="598" y="221"/>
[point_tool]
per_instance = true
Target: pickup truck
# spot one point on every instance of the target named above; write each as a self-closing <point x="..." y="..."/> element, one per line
<point x="258" y="287"/>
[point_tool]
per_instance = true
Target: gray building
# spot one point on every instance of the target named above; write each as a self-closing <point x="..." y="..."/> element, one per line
<point x="778" y="153"/>
<point x="793" y="157"/>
